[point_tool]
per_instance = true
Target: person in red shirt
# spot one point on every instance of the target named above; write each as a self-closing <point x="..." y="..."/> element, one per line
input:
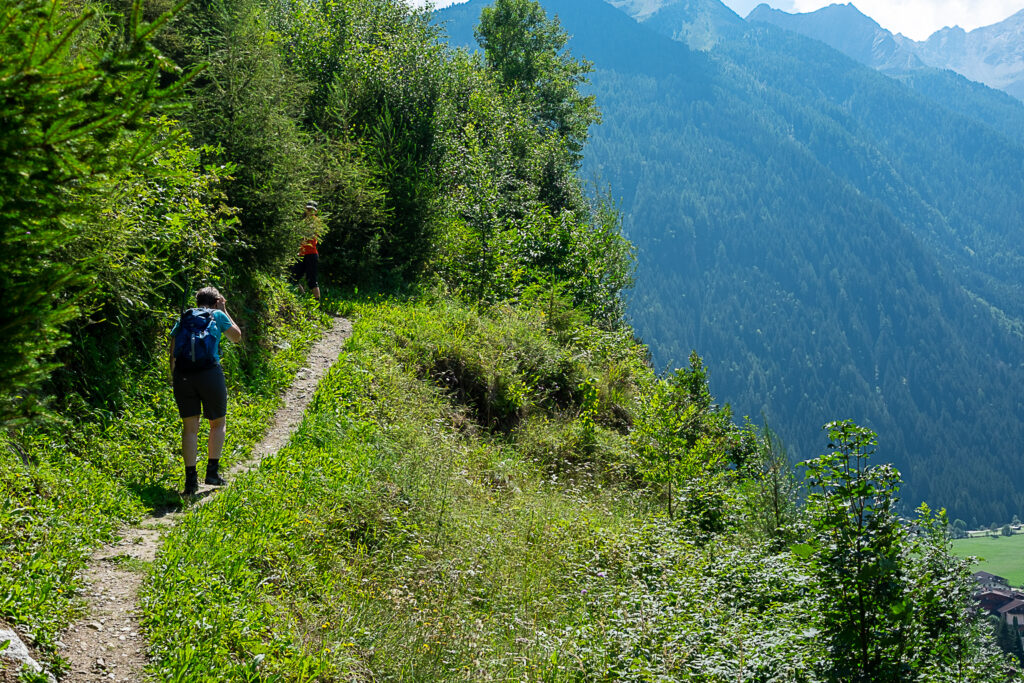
<point x="309" y="262"/>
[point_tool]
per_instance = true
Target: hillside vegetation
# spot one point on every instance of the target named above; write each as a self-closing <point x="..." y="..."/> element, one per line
<point x="491" y="483"/>
<point x="833" y="241"/>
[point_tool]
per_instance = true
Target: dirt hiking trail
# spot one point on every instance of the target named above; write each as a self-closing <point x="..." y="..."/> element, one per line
<point x="108" y="644"/>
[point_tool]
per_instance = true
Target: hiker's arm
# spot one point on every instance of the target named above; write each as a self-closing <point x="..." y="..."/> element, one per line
<point x="234" y="333"/>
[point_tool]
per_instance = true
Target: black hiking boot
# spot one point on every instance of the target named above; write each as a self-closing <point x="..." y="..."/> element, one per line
<point x="191" y="482"/>
<point x="212" y="478"/>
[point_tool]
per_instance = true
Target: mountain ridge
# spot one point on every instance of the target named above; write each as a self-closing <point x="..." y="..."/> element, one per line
<point x="701" y="24"/>
<point x="848" y="30"/>
<point x="993" y="54"/>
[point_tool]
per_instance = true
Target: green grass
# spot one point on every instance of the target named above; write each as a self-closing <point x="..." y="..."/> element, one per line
<point x="461" y="502"/>
<point x="451" y="510"/>
<point x="402" y="534"/>
<point x="1001" y="555"/>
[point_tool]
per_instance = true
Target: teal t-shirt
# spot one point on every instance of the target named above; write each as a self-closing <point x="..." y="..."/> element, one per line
<point x="221" y="322"/>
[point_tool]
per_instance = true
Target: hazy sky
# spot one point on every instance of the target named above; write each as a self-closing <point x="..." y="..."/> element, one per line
<point x="915" y="19"/>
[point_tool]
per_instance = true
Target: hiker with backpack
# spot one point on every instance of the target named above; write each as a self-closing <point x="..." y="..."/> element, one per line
<point x="198" y="381"/>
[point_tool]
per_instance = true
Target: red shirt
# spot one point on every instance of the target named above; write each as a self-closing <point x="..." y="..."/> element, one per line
<point x="308" y="247"/>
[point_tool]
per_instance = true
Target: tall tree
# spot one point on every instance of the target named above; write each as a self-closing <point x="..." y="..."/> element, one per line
<point x="527" y="52"/>
<point x="772" y="488"/>
<point x="247" y="104"/>
<point x="857" y="558"/>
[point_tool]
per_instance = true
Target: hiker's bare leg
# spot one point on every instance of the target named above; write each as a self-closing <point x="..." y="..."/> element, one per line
<point x="218" y="431"/>
<point x="316" y="293"/>
<point x="189" y="439"/>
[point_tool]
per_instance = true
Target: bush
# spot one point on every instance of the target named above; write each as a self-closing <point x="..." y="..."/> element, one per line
<point x="894" y="604"/>
<point x="153" y="244"/>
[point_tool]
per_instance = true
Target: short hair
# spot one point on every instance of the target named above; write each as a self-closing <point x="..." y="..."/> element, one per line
<point x="207" y="297"/>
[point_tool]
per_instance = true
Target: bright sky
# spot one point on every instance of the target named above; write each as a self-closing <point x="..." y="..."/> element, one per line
<point x="915" y="19"/>
<point x="918" y="19"/>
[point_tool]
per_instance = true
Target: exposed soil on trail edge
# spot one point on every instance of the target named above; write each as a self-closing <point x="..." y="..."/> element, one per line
<point x="108" y="644"/>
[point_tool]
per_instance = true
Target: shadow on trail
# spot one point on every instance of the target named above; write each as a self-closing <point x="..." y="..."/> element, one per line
<point x="161" y="500"/>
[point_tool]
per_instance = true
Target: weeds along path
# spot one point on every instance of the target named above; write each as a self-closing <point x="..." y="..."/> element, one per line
<point x="108" y="645"/>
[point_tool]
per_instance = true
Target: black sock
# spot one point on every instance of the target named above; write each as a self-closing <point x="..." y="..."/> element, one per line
<point x="190" y="477"/>
<point x="211" y="468"/>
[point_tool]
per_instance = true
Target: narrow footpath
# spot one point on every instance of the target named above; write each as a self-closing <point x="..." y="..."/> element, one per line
<point x="108" y="644"/>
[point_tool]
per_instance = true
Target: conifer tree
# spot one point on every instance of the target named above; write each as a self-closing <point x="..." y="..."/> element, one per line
<point x="76" y="111"/>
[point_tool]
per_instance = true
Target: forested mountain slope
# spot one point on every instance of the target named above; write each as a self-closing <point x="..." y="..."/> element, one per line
<point x="833" y="242"/>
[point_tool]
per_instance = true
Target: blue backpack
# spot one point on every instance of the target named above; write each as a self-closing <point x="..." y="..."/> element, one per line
<point x="195" y="345"/>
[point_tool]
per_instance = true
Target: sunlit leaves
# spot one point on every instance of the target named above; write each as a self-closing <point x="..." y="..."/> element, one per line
<point x="893" y="603"/>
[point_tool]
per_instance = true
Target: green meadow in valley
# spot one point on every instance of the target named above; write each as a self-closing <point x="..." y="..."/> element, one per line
<point x="1002" y="555"/>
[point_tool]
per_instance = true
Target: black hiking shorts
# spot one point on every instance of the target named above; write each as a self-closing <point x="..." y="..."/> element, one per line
<point x="307" y="269"/>
<point x="204" y="389"/>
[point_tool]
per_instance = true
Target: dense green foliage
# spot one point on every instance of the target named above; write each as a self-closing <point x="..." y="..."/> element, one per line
<point x="376" y="77"/>
<point x="356" y="104"/>
<point x="527" y="52"/>
<point x="75" y="113"/>
<point x="245" y="105"/>
<point x="680" y="435"/>
<point x="832" y="241"/>
<point x="886" y="615"/>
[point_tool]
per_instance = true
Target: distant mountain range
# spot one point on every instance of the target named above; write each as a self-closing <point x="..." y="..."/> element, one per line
<point x="993" y="55"/>
<point x="703" y="24"/>
<point x="834" y="242"/>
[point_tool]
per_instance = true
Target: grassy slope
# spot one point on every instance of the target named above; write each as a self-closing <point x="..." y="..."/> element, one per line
<point x="398" y="538"/>
<point x="87" y="479"/>
<point x="391" y="535"/>
<point x="1002" y="555"/>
